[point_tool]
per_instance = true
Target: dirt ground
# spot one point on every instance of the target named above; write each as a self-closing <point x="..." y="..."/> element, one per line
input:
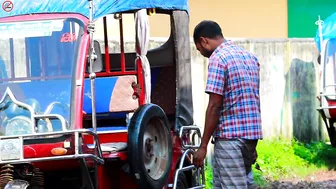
<point x="323" y="179"/>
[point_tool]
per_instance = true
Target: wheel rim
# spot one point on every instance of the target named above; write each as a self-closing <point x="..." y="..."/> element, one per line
<point x="155" y="148"/>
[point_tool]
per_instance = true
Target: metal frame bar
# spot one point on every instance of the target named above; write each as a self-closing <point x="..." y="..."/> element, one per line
<point x="326" y="107"/>
<point x="112" y="131"/>
<point x="183" y="133"/>
<point x="12" y="66"/>
<point x="86" y="178"/>
<point x="122" y="44"/>
<point x="28" y="69"/>
<point x="35" y="78"/>
<point x="97" y="156"/>
<point x="200" y="171"/>
<point x="324" y="44"/>
<point x="185" y="130"/>
<point x="106" y="41"/>
<point x="43" y="55"/>
<point x="323" y="94"/>
<point x="8" y="94"/>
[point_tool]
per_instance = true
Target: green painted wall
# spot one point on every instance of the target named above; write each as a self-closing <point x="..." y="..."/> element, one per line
<point x="302" y="15"/>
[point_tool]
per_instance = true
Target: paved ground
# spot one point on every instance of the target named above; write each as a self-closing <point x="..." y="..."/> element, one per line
<point x="324" y="179"/>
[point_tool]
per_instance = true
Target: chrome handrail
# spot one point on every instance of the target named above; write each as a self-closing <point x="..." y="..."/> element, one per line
<point x="97" y="156"/>
<point x="200" y="171"/>
<point x="182" y="133"/>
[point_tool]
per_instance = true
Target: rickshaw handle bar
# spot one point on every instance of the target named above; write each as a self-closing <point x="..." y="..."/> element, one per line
<point x="200" y="171"/>
<point x="29" y="160"/>
<point x="53" y="116"/>
<point x="190" y="128"/>
<point x="98" y="156"/>
<point x="326" y="107"/>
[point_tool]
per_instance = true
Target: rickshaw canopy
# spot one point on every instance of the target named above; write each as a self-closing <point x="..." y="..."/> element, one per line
<point x="101" y="8"/>
<point x="328" y="30"/>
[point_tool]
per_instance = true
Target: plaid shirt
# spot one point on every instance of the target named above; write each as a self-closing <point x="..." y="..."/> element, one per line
<point x="234" y="74"/>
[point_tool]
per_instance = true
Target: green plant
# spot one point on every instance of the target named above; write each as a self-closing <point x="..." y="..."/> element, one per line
<point x="282" y="159"/>
<point x="317" y="153"/>
<point x="277" y="159"/>
<point x="208" y="177"/>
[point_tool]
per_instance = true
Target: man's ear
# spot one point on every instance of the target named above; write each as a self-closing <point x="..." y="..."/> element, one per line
<point x="203" y="41"/>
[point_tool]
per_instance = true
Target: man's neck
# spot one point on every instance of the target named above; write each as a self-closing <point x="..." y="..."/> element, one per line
<point x="219" y="41"/>
<point x="222" y="40"/>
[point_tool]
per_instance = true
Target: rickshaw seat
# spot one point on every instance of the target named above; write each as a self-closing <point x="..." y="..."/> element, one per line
<point x="109" y="102"/>
<point x="113" y="94"/>
<point x="105" y="87"/>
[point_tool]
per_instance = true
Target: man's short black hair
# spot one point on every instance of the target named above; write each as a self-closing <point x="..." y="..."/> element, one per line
<point x="208" y="29"/>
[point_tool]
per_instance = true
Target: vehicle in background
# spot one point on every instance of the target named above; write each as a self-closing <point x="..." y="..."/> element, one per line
<point x="74" y="115"/>
<point x="326" y="43"/>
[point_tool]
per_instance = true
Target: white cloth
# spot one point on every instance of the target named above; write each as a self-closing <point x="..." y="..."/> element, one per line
<point x="142" y="36"/>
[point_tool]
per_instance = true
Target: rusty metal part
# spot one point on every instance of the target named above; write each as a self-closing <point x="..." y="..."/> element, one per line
<point x="6" y="175"/>
<point x="37" y="180"/>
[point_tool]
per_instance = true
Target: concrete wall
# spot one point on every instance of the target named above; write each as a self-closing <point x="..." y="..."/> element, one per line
<point x="289" y="85"/>
<point x="288" y="89"/>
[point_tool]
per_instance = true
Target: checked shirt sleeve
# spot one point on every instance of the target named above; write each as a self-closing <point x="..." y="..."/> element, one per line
<point x="216" y="76"/>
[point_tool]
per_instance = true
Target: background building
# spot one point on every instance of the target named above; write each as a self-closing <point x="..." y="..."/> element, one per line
<point x="244" y="18"/>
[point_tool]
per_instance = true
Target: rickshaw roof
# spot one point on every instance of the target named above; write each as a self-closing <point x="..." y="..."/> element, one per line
<point x="328" y="30"/>
<point x="101" y="7"/>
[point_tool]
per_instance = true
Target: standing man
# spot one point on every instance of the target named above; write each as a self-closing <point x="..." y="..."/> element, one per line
<point x="233" y="113"/>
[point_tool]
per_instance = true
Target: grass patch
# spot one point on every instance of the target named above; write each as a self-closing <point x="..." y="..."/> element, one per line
<point x="208" y="177"/>
<point x="317" y="153"/>
<point x="283" y="159"/>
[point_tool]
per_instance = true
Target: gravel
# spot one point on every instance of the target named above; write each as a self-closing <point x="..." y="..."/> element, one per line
<point x="301" y="185"/>
<point x="321" y="179"/>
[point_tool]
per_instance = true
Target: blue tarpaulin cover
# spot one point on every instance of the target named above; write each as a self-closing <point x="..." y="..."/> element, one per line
<point x="101" y="7"/>
<point x="328" y="30"/>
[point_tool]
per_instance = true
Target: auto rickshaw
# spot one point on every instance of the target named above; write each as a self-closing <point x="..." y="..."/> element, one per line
<point x="75" y="116"/>
<point x="326" y="43"/>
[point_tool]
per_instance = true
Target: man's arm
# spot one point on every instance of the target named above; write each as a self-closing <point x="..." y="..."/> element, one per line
<point x="211" y="117"/>
<point x="215" y="88"/>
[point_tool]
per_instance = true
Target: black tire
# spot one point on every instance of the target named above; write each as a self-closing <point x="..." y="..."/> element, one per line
<point x="182" y="182"/>
<point x="147" y="120"/>
<point x="332" y="133"/>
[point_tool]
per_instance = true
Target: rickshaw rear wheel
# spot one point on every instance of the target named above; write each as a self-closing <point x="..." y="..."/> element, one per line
<point x="150" y="147"/>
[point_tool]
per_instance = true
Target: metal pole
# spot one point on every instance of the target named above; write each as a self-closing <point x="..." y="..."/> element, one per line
<point x="319" y="23"/>
<point x="92" y="56"/>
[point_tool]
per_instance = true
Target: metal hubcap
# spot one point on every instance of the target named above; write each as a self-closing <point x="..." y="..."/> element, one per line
<point x="155" y="149"/>
<point x="149" y="148"/>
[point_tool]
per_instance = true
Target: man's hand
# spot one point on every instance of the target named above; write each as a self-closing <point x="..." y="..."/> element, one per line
<point x="211" y="122"/>
<point x="199" y="156"/>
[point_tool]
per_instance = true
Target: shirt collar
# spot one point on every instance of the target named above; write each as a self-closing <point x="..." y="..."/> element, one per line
<point x="222" y="45"/>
